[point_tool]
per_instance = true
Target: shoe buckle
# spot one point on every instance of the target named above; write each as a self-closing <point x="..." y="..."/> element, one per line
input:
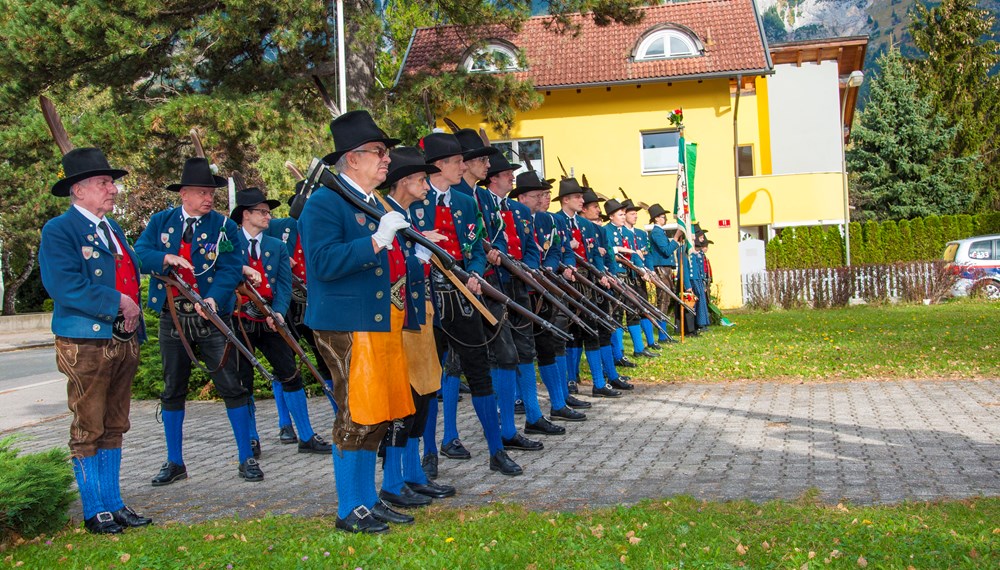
<point x="105" y="517"/>
<point x="251" y="461"/>
<point x="361" y="512"/>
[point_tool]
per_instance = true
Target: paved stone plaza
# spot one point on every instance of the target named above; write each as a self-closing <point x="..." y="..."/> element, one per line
<point x="863" y="442"/>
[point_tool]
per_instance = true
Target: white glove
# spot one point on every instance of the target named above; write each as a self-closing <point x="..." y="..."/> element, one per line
<point x="423" y="254"/>
<point x="390" y="223"/>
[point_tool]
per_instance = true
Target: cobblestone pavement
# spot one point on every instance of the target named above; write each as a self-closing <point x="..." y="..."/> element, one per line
<point x="863" y="442"/>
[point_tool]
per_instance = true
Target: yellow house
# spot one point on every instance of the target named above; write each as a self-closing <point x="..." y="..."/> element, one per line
<point x="767" y="120"/>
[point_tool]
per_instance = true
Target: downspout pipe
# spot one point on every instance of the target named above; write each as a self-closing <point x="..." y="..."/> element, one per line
<point x="736" y="151"/>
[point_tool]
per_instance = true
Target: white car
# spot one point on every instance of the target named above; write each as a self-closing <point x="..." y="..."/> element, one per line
<point x="977" y="262"/>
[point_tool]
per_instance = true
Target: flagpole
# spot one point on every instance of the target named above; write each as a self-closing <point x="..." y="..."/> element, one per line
<point x="682" y="257"/>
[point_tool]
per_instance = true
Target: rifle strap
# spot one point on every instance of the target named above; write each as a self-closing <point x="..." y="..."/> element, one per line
<point x="184" y="340"/>
<point x="245" y="290"/>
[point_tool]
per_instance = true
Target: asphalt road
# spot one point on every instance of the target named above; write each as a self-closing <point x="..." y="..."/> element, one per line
<point x="31" y="388"/>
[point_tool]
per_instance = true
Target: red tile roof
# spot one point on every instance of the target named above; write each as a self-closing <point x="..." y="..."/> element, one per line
<point x="729" y="30"/>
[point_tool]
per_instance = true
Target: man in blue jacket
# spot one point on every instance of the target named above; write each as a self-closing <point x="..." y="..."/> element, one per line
<point x="204" y="248"/>
<point x="661" y="258"/>
<point x="92" y="275"/>
<point x="268" y="258"/>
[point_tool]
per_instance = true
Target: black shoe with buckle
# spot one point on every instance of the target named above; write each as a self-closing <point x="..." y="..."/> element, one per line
<point x="430" y="465"/>
<point x="455" y="450"/>
<point x="544" y="427"/>
<point x="625" y="363"/>
<point x="102" y="523"/>
<point x="316" y="444"/>
<point x="126" y="517"/>
<point x="286" y="435"/>
<point x="567" y="414"/>
<point x="606" y="392"/>
<point x="433" y="490"/>
<point x="645" y="354"/>
<point x="522" y="443"/>
<point x="384" y="513"/>
<point x="255" y="447"/>
<point x="572" y="388"/>
<point x="250" y="470"/>
<point x="621" y="384"/>
<point x="406" y="499"/>
<point x="502" y="462"/>
<point x="519" y="407"/>
<point x="169" y="473"/>
<point x="654" y="346"/>
<point x="577" y="403"/>
<point x="361" y="520"/>
<point x="463" y="388"/>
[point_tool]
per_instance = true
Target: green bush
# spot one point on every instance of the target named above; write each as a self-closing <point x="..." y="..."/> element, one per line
<point x="34" y="491"/>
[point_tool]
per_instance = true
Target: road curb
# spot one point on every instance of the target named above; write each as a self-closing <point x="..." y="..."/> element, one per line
<point x="27" y="345"/>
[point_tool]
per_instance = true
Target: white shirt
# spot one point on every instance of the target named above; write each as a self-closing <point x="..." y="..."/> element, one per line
<point x="97" y="221"/>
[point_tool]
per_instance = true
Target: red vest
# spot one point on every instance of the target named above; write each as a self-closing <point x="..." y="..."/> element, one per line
<point x="264" y="289"/>
<point x="299" y="257"/>
<point x="186" y="274"/>
<point x="510" y="231"/>
<point x="444" y="224"/>
<point x="125" y="281"/>
<point x="580" y="248"/>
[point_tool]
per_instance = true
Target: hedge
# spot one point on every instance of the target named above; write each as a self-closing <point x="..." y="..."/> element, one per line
<point x="919" y="239"/>
<point x="35" y="492"/>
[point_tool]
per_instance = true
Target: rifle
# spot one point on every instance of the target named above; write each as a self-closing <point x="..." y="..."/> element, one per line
<point x="576" y="297"/>
<point x="596" y="288"/>
<point x="247" y="290"/>
<point x="173" y="278"/>
<point x="299" y="284"/>
<point x="644" y="307"/>
<point x="522" y="272"/>
<point x="617" y="286"/>
<point x="655" y="279"/>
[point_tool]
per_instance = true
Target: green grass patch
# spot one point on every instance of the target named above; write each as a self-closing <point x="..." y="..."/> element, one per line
<point x="958" y="339"/>
<point x="681" y="532"/>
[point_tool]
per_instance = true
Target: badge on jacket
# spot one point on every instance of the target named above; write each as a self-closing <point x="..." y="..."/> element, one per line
<point x="88" y="251"/>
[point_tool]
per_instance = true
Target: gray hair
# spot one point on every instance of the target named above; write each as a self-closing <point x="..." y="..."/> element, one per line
<point x="341" y="162"/>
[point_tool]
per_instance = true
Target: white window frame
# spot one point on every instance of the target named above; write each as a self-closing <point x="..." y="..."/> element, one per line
<point x="538" y="164"/>
<point x="666" y="36"/>
<point x="642" y="152"/>
<point x="492" y="48"/>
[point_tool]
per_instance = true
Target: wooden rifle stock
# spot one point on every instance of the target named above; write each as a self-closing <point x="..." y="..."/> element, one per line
<point x="282" y="329"/>
<point x="643" y="307"/>
<point x="173" y="278"/>
<point x="575" y="296"/>
<point x="521" y="271"/>
<point x="598" y="289"/>
<point x="655" y="280"/>
<point x="299" y="284"/>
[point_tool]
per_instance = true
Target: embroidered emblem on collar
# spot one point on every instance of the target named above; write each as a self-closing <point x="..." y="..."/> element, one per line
<point x="420" y="214"/>
<point x="359" y="218"/>
<point x="88" y="251"/>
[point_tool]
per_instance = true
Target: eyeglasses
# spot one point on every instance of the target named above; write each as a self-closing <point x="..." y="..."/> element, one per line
<point x="262" y="212"/>
<point x="381" y="152"/>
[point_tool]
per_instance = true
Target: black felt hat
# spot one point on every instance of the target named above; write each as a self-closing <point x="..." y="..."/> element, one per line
<point x="81" y="164"/>
<point x="590" y="197"/>
<point x="248" y="198"/>
<point x="198" y="172"/>
<point x="406" y="160"/>
<point x="568" y="187"/>
<point x="612" y="206"/>
<point x="438" y="146"/>
<point x="528" y="181"/>
<point x="353" y="129"/>
<point x="473" y="145"/>
<point x="499" y="163"/>
<point x="655" y="211"/>
<point x="630" y="206"/>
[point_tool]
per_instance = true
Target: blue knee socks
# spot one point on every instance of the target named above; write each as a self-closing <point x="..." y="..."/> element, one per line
<point x="635" y="332"/>
<point x="618" y="343"/>
<point x="647" y="330"/>
<point x="486" y="410"/>
<point x="550" y="377"/>
<point x="413" y="471"/>
<point x="296" y="402"/>
<point x="87" y="481"/>
<point x="561" y="366"/>
<point x="392" y="470"/>
<point x="449" y="396"/>
<point x="365" y="477"/>
<point x="284" y="420"/>
<point x="109" y="463"/>
<point x="348" y="489"/>
<point x="609" y="363"/>
<point x="430" y="429"/>
<point x="173" y="429"/>
<point x="596" y="368"/>
<point x="572" y="372"/>
<point x="239" y="418"/>
<point x="504" y="382"/>
<point x="253" y="420"/>
<point x="528" y="384"/>
<point x="662" y="336"/>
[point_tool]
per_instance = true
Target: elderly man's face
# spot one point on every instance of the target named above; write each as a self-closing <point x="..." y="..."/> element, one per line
<point x="452" y="169"/>
<point x="411" y="188"/>
<point x="478" y="167"/>
<point x="502" y="182"/>
<point x="531" y="199"/>
<point x="96" y="194"/>
<point x="196" y="200"/>
<point x="370" y="162"/>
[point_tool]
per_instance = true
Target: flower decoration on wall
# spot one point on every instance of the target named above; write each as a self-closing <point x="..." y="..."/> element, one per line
<point x="676" y="117"/>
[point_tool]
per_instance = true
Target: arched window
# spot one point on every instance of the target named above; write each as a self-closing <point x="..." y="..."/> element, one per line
<point x="492" y="58"/>
<point x="664" y="43"/>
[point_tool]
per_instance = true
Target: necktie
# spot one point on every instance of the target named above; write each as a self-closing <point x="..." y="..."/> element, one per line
<point x="253" y="250"/>
<point x="371" y="199"/>
<point x="188" y="230"/>
<point x="107" y="236"/>
<point x="441" y="200"/>
<point x="572" y="223"/>
<point x="503" y="205"/>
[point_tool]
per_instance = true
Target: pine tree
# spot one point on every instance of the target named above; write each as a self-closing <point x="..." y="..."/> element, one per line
<point x="959" y="56"/>
<point x="905" y="241"/>
<point x="899" y="158"/>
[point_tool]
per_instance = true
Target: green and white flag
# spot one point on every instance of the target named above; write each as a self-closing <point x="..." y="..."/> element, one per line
<point x="687" y="155"/>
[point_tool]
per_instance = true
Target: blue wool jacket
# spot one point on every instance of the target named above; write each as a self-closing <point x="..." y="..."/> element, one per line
<point x="553" y="241"/>
<point x="78" y="271"/>
<point x="217" y="278"/>
<point x="661" y="249"/>
<point x="466" y="216"/>
<point x="275" y="259"/>
<point x="286" y="230"/>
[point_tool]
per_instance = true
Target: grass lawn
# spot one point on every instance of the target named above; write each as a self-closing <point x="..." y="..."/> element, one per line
<point x="655" y="534"/>
<point x="959" y="339"/>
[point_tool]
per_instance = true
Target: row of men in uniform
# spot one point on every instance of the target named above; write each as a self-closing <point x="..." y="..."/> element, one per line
<point x="366" y="284"/>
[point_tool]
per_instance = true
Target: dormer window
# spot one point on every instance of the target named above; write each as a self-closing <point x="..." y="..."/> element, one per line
<point x="494" y="57"/>
<point x="668" y="42"/>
